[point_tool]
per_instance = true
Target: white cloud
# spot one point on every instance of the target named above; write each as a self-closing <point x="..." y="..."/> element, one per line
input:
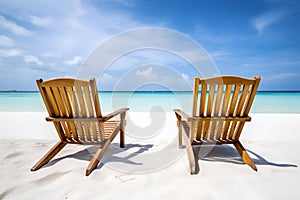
<point x="107" y="79"/>
<point x="281" y="76"/>
<point x="32" y="59"/>
<point x="219" y="55"/>
<point x="269" y="18"/>
<point x="128" y="3"/>
<point x="19" y="53"/>
<point x="147" y="73"/>
<point x="6" y="41"/>
<point x="40" y="21"/>
<point x="10" y="52"/>
<point x="75" y="61"/>
<point x="13" y="27"/>
<point x="48" y="54"/>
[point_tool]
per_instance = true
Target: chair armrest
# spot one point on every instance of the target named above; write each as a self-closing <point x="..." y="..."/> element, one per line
<point x="111" y="115"/>
<point x="181" y="113"/>
<point x="95" y="119"/>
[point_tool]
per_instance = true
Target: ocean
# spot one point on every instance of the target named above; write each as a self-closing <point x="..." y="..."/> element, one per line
<point x="265" y="102"/>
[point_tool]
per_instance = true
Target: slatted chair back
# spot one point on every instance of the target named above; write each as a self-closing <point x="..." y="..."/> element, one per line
<point x="68" y="98"/>
<point x="222" y="104"/>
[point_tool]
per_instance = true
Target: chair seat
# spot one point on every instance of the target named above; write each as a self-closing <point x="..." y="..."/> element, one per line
<point x="208" y="141"/>
<point x="109" y="127"/>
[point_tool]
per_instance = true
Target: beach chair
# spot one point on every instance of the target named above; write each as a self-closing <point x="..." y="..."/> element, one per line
<point x="220" y="110"/>
<point x="74" y="109"/>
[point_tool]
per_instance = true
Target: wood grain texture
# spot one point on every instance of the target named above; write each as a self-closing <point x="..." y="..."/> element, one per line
<point x="74" y="108"/>
<point x="219" y="115"/>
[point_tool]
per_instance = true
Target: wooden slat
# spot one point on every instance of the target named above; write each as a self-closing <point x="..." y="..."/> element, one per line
<point x="52" y="102"/>
<point x="218" y="100"/>
<point x="97" y="107"/>
<point x="199" y="130"/>
<point x="225" y="130"/>
<point x="192" y="133"/>
<point x="76" y="113"/>
<point x="199" y="134"/>
<point x="234" y="100"/>
<point x="203" y="100"/>
<point x="83" y="112"/>
<point x="62" y="109"/>
<point x="239" y="131"/>
<point x="232" y="129"/>
<point x="95" y="97"/>
<point x="59" y="101"/>
<point x="213" y="130"/>
<point x="195" y="96"/>
<point x="205" y="129"/>
<point x="252" y="95"/>
<point x="57" y="104"/>
<point x="242" y="99"/>
<point x="210" y="102"/>
<point x="67" y="97"/>
<point x="90" y="112"/>
<point x="226" y="100"/>
<point x="89" y="104"/>
<point x="218" y="131"/>
<point x="71" y="125"/>
<point x="66" y="100"/>
<point x="73" y="101"/>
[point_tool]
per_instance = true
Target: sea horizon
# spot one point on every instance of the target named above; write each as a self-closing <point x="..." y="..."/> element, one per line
<point x="149" y="101"/>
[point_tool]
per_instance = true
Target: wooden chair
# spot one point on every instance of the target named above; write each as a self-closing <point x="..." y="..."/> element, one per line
<point x="220" y="110"/>
<point x="74" y="109"/>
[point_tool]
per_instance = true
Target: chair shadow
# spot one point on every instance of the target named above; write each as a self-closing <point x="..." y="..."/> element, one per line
<point x="109" y="156"/>
<point x="227" y="153"/>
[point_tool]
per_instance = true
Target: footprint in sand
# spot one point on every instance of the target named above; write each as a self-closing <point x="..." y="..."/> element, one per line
<point x="51" y="177"/>
<point x="13" y="155"/>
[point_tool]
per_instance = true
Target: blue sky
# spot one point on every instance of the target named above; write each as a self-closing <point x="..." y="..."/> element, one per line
<point x="46" y="39"/>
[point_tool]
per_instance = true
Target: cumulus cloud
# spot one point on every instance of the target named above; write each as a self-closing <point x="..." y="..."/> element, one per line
<point x="32" y="59"/>
<point x="48" y="54"/>
<point x="6" y="41"/>
<point x="10" y="52"/>
<point x="19" y="53"/>
<point x="13" y="27"/>
<point x="75" y="61"/>
<point x="147" y="73"/>
<point x="40" y="21"/>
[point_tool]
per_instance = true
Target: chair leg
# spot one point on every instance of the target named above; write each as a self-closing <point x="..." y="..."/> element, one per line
<point x="191" y="158"/>
<point x="180" y="134"/>
<point x="245" y="156"/>
<point x="122" y="131"/>
<point x="190" y="154"/>
<point x="99" y="154"/>
<point x="179" y="125"/>
<point x="97" y="157"/>
<point x="49" y="155"/>
<point x="122" y="139"/>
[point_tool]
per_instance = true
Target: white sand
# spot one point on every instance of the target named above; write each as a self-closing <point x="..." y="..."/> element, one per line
<point x="151" y="166"/>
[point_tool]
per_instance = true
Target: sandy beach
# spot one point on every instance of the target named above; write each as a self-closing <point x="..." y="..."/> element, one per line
<point x="151" y="166"/>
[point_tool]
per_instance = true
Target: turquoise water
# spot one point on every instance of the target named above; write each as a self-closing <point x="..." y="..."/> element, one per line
<point x="265" y="102"/>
